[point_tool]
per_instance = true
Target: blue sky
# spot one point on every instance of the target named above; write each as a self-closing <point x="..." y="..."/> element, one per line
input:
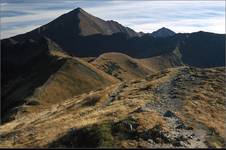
<point x="20" y="16"/>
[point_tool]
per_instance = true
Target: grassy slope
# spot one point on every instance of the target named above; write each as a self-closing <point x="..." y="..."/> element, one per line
<point x="124" y="67"/>
<point x="121" y="66"/>
<point x="52" y="79"/>
<point x="100" y="114"/>
<point x="74" y="77"/>
<point x="161" y="62"/>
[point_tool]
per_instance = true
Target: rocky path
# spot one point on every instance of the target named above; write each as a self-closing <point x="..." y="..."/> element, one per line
<point x="184" y="135"/>
<point x="170" y="101"/>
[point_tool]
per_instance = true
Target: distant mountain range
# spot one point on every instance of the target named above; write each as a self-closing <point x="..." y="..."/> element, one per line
<point x="84" y="35"/>
<point x="31" y="60"/>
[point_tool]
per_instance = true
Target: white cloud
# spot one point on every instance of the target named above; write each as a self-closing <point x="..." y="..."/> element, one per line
<point x="39" y="15"/>
<point x="16" y="31"/>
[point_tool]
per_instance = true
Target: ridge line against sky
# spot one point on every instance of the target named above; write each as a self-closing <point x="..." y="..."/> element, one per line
<point x="20" y="16"/>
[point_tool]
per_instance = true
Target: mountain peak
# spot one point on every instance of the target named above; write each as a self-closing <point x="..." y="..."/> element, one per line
<point x="78" y="23"/>
<point x="79" y="10"/>
<point x="164" y="28"/>
<point x="85" y="24"/>
<point x="163" y="32"/>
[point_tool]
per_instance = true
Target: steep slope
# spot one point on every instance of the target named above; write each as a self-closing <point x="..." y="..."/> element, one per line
<point x="74" y="77"/>
<point x="84" y="24"/>
<point x="163" y="32"/>
<point x="90" y="25"/>
<point x="25" y="66"/>
<point x="68" y="27"/>
<point x="180" y="107"/>
<point x="45" y="77"/>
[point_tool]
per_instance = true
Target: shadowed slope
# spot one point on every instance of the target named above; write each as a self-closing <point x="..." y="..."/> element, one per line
<point x="202" y="49"/>
<point x="44" y="74"/>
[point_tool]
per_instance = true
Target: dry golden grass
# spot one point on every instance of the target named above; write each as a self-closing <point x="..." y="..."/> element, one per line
<point x="73" y="78"/>
<point x="50" y="124"/>
<point x="38" y="129"/>
<point x="121" y="66"/>
<point x="161" y="62"/>
<point x="148" y="120"/>
<point x="206" y="102"/>
<point x="212" y="115"/>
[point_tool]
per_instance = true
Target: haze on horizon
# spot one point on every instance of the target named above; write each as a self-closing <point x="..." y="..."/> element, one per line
<point x="20" y="16"/>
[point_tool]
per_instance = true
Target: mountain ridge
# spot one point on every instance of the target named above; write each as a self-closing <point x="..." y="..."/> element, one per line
<point x="96" y="40"/>
<point x="80" y="82"/>
<point x="145" y="53"/>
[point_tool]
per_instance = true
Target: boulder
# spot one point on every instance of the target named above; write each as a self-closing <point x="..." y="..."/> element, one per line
<point x="169" y="113"/>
